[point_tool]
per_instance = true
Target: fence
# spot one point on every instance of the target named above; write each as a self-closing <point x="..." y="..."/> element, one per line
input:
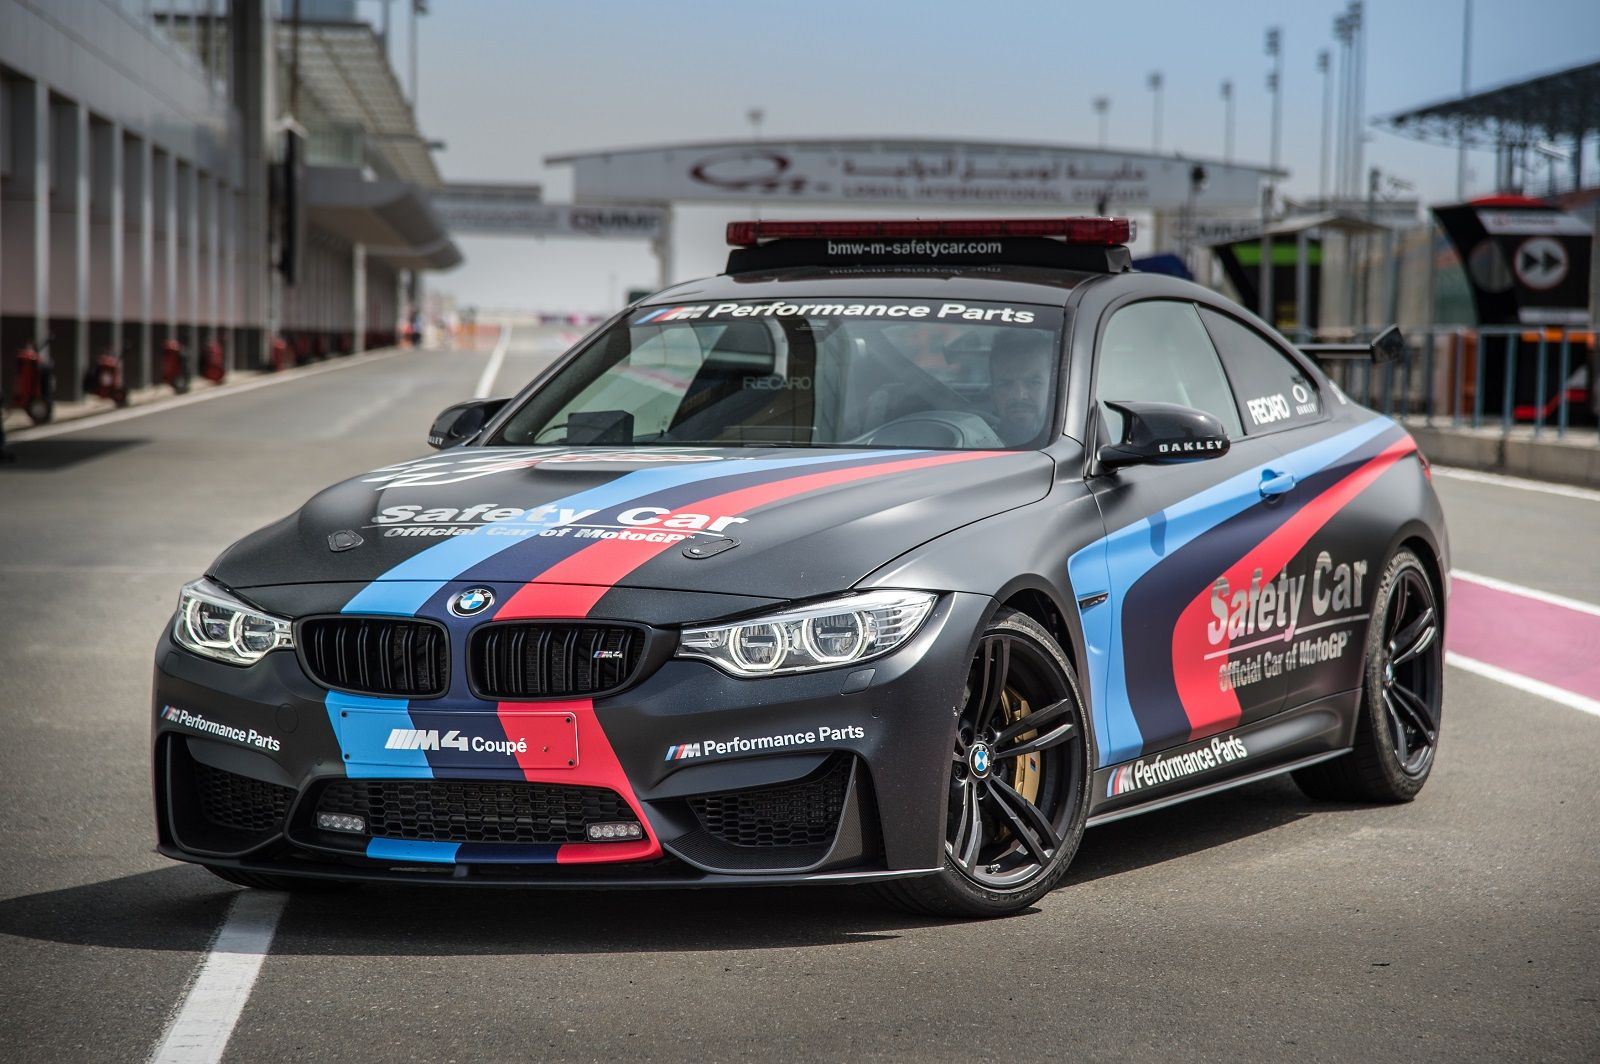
<point x="1535" y="379"/>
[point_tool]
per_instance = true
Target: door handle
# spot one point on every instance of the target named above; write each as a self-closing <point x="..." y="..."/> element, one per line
<point x="1274" y="483"/>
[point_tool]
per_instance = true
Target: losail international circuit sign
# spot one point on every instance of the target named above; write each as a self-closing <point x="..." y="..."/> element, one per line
<point x="949" y="174"/>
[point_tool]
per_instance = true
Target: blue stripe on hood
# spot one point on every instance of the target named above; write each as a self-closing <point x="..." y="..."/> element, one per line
<point x="406" y="587"/>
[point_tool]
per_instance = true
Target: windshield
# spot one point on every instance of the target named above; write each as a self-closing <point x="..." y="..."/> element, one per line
<point x="763" y="373"/>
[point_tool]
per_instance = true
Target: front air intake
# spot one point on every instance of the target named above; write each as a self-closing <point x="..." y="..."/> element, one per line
<point x="377" y="655"/>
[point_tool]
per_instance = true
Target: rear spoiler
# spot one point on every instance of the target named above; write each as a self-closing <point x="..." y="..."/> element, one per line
<point x="1387" y="346"/>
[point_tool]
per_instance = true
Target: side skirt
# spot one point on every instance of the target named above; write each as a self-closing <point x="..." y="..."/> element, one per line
<point x="1210" y="788"/>
<point x="1293" y="739"/>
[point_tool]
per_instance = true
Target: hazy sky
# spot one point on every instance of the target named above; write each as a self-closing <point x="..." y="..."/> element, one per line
<point x="508" y="82"/>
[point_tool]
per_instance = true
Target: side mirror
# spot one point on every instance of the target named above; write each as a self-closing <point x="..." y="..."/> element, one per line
<point x="1163" y="432"/>
<point x="463" y="421"/>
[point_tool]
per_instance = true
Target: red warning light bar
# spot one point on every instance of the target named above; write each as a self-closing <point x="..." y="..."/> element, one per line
<point x="1098" y="231"/>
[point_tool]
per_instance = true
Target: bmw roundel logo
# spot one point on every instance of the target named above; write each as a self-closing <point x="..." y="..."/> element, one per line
<point x="472" y="601"/>
<point x="979" y="759"/>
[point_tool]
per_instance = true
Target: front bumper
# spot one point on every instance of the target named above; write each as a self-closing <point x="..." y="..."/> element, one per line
<point x="836" y="776"/>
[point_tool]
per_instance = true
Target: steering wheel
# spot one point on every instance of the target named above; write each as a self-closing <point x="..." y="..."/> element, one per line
<point x="934" y="429"/>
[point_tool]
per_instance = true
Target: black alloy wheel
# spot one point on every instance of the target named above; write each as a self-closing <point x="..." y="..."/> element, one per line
<point x="1019" y="778"/>
<point x="1410" y="669"/>
<point x="1402" y="701"/>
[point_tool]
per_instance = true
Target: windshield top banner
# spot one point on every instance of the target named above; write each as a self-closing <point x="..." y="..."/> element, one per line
<point x="928" y="311"/>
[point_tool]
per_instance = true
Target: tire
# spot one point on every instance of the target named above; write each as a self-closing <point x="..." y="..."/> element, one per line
<point x="1397" y="736"/>
<point x="998" y="857"/>
<point x="42" y="409"/>
<point x="181" y="383"/>
<point x="290" y="884"/>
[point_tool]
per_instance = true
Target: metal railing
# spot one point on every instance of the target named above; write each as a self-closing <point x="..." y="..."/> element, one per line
<point x="1536" y="380"/>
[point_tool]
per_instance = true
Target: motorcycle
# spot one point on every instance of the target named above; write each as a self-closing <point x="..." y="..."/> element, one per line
<point x="35" y="389"/>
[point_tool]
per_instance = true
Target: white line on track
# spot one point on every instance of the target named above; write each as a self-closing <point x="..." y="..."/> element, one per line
<point x="111" y="417"/>
<point x="496" y="358"/>
<point x="200" y="1031"/>
<point x="1520" y="483"/>
<point x="1528" y="684"/>
<point x="1527" y="592"/>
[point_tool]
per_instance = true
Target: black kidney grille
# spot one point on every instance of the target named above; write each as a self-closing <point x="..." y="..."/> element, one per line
<point x="378" y="655"/>
<point x="474" y="810"/>
<point x="240" y="803"/>
<point x="796" y="814"/>
<point x="543" y="660"/>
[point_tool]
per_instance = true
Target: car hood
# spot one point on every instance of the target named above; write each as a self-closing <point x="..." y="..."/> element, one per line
<point x="776" y="522"/>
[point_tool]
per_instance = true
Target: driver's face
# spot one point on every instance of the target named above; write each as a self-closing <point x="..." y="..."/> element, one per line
<point x="1019" y="385"/>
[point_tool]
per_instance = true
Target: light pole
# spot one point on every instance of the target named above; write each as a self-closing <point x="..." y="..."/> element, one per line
<point x="755" y="116"/>
<point x="1102" y="106"/>
<point x="1155" y="82"/>
<point x="418" y="7"/>
<point x="1227" y="121"/>
<point x="1341" y="151"/>
<point x="1275" y="86"/>
<point x="1327" y="121"/>
<point x="1466" y="77"/>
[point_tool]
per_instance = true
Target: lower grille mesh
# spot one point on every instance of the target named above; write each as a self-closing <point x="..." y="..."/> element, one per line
<point x="474" y="810"/>
<point x="240" y="803"/>
<point x="797" y="814"/>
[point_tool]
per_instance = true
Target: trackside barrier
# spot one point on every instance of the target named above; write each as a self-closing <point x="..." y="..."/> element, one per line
<point x="1535" y="378"/>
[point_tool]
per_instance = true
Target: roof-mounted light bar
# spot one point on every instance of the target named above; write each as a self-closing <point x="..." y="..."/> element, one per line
<point x="1097" y="231"/>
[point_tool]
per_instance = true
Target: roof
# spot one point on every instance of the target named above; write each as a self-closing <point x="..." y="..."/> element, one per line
<point x="344" y="66"/>
<point x="1300" y="223"/>
<point x="989" y="283"/>
<point x="392" y="218"/>
<point x="1556" y="106"/>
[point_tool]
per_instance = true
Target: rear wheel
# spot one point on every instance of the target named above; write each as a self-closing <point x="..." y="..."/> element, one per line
<point x="291" y="884"/>
<point x="1019" y="779"/>
<point x="1402" y="697"/>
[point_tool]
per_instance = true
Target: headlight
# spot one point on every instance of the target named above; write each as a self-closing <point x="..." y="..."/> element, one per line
<point x="819" y="636"/>
<point x="214" y="624"/>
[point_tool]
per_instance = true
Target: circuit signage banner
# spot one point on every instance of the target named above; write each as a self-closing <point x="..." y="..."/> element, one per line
<point x="1526" y="264"/>
<point x="943" y="173"/>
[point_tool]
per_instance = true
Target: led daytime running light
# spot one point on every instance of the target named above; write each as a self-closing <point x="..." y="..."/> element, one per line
<point x="806" y="638"/>
<point x="213" y="623"/>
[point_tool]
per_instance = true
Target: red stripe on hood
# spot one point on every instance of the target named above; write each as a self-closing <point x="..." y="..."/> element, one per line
<point x="581" y="580"/>
<point x="1209" y="709"/>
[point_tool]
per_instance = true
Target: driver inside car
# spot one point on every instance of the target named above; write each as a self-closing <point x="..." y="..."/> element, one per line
<point x="1019" y="383"/>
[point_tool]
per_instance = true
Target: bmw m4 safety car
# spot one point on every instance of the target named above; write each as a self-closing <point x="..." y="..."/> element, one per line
<point x="899" y="553"/>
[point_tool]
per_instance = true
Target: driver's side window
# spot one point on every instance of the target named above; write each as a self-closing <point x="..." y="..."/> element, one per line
<point x="1158" y="351"/>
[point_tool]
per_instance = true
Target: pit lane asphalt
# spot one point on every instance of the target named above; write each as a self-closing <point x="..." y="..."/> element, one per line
<point x="1250" y="925"/>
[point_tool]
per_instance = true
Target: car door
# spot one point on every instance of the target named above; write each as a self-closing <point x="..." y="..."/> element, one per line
<point x="1191" y="646"/>
<point x="1321" y="549"/>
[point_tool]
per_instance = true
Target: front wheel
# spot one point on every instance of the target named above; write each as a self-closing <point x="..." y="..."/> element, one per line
<point x="1019" y="779"/>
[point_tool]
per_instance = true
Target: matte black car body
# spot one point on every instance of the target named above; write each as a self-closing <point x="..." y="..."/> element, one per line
<point x="1119" y="567"/>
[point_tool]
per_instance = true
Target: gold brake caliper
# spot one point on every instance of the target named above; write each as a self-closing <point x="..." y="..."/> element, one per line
<point x="1025" y="774"/>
